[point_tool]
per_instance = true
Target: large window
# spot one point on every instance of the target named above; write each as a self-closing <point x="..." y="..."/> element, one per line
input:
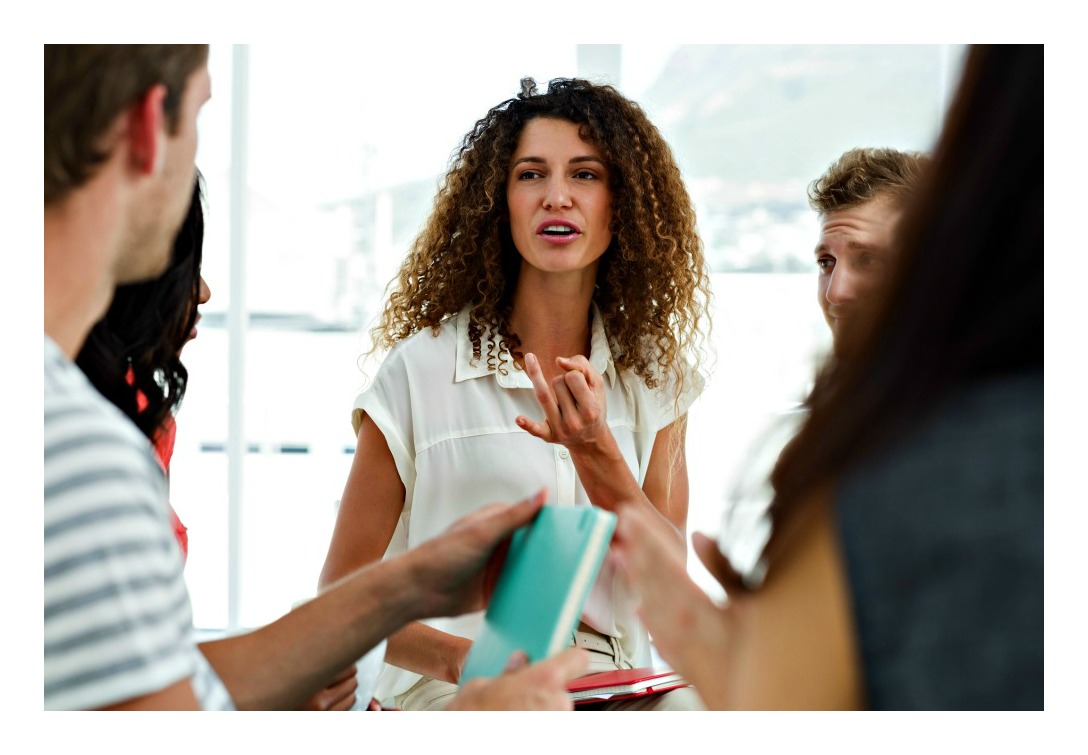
<point x="320" y="171"/>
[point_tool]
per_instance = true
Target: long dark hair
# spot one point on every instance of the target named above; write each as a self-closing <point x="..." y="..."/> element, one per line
<point x="144" y="330"/>
<point x="965" y="299"/>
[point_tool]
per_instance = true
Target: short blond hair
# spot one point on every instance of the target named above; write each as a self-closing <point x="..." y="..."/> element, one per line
<point x="863" y="173"/>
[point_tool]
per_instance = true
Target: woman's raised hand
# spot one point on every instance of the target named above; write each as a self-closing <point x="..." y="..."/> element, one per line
<point x="573" y="402"/>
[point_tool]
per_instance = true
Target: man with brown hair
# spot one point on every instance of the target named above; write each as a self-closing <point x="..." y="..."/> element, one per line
<point x="859" y="200"/>
<point x="120" y="142"/>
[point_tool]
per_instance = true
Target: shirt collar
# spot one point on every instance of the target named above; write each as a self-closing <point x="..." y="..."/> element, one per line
<point x="600" y="355"/>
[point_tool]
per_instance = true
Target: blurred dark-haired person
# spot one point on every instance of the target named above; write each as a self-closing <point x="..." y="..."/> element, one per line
<point x="905" y="564"/>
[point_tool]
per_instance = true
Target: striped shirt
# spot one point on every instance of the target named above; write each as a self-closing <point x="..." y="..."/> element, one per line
<point x="118" y="622"/>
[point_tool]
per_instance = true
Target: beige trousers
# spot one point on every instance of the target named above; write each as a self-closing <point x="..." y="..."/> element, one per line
<point x="605" y="654"/>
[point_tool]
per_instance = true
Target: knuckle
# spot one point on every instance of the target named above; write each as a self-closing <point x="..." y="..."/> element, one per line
<point x="474" y="686"/>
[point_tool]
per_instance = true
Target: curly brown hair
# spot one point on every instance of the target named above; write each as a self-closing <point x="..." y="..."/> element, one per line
<point x="863" y="173"/>
<point x="652" y="284"/>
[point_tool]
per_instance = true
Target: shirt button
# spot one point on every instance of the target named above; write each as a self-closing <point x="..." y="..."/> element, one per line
<point x="564" y="453"/>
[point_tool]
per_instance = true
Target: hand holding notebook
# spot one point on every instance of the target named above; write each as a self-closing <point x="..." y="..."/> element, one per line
<point x="549" y="570"/>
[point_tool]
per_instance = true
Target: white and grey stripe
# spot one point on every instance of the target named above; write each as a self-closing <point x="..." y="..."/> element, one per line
<point x="117" y="616"/>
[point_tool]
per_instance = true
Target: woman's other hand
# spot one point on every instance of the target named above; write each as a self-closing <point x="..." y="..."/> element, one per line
<point x="338" y="695"/>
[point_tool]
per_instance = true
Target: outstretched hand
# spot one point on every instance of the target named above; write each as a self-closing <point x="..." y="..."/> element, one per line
<point x="690" y="631"/>
<point x="456" y="571"/>
<point x="573" y="402"/>
<point x="539" y="686"/>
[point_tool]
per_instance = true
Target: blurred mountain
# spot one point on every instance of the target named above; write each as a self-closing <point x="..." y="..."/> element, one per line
<point x="752" y="125"/>
<point x="771" y="113"/>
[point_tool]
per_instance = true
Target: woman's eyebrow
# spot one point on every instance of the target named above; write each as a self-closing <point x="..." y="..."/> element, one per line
<point x="573" y="160"/>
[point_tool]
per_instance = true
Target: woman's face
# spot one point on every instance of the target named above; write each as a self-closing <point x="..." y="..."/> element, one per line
<point x="558" y="197"/>
<point x="203" y="294"/>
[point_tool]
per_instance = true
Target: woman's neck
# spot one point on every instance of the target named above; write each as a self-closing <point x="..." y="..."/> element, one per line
<point x="551" y="316"/>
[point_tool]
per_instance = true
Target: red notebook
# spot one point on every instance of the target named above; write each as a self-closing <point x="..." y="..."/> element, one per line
<point x="616" y="685"/>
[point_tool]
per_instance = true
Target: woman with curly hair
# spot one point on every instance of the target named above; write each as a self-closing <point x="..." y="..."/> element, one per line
<point x="544" y="330"/>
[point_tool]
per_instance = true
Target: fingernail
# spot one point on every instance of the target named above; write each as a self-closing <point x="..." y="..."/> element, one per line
<point x="517" y="660"/>
<point x="530" y="358"/>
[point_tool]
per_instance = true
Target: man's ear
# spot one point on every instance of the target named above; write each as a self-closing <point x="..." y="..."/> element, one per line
<point x="147" y="131"/>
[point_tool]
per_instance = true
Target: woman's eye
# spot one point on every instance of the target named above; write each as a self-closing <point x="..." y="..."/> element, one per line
<point x="585" y="174"/>
<point x="825" y="263"/>
<point x="526" y="175"/>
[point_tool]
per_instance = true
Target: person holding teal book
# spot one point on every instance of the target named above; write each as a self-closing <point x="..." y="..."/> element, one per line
<point x="544" y="330"/>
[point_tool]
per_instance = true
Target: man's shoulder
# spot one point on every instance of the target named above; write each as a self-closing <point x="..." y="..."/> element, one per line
<point x="71" y="404"/>
<point x="90" y="445"/>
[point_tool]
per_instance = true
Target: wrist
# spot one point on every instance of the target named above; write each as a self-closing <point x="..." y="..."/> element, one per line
<point x="455" y="655"/>
<point x="601" y="449"/>
<point x="605" y="475"/>
<point x="399" y="589"/>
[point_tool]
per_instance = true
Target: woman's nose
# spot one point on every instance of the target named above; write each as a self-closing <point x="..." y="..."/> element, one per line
<point x="558" y="194"/>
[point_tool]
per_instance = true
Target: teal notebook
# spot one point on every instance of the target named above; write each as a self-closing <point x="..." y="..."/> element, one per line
<point x="538" y="599"/>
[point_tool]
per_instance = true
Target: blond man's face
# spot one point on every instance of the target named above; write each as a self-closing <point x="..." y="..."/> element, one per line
<point x="853" y="255"/>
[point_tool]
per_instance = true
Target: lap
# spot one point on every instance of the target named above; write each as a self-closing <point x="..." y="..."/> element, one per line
<point x="426" y="694"/>
<point x="604" y="654"/>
